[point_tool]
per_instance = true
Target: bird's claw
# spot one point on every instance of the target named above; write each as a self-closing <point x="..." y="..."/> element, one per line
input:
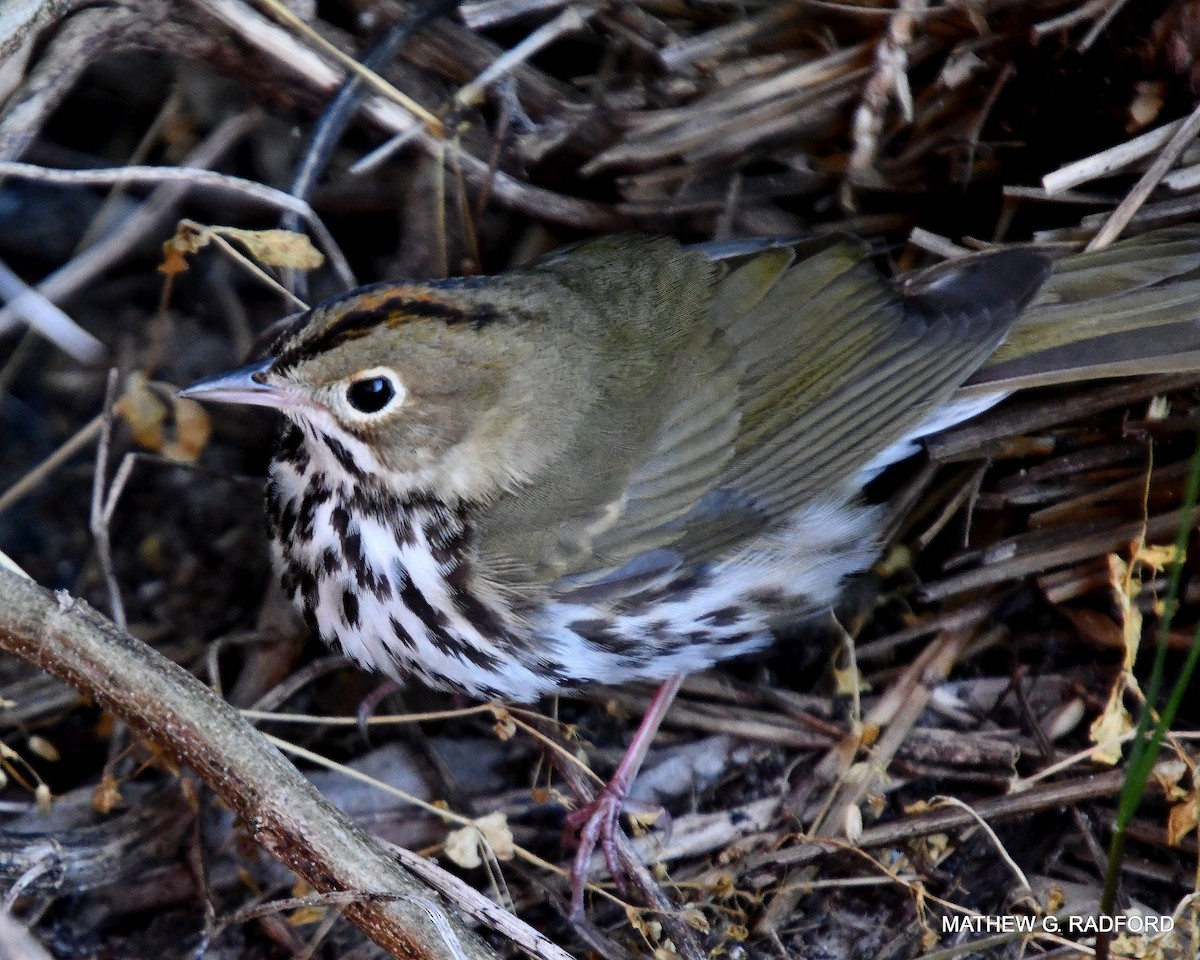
<point x="598" y="824"/>
<point x="595" y="824"/>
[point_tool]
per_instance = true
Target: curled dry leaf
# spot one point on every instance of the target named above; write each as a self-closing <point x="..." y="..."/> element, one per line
<point x="467" y="845"/>
<point x="107" y="794"/>
<point x="1112" y="724"/>
<point x="505" y="727"/>
<point x="173" y="426"/>
<point x="276" y="248"/>
<point x="1182" y="819"/>
<point x="272" y="248"/>
<point x="1125" y="585"/>
<point x="1169" y="774"/>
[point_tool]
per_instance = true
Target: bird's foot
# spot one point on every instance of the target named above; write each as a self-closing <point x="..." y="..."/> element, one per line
<point x="370" y="703"/>
<point x="598" y="824"/>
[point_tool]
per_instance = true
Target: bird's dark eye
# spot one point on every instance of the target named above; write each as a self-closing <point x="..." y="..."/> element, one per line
<point x="371" y="394"/>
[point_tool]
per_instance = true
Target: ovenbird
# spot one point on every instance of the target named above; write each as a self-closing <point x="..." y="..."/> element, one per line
<point x="632" y="460"/>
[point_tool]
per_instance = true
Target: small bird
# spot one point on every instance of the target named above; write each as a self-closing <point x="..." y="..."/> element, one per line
<point x="631" y="459"/>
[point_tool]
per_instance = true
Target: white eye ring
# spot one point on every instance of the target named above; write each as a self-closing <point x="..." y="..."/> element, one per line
<point x="371" y="393"/>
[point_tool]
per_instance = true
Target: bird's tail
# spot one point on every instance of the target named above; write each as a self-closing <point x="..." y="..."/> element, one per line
<point x="1128" y="310"/>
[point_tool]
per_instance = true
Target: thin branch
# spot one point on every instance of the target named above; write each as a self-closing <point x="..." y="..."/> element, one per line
<point x="282" y="811"/>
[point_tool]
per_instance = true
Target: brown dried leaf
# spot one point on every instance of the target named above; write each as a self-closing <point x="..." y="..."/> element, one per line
<point x="1182" y="820"/>
<point x="1125" y="588"/>
<point x="189" y="237"/>
<point x="175" y="427"/>
<point x="467" y="845"/>
<point x="192" y="431"/>
<point x="1112" y="724"/>
<point x="276" y="248"/>
<point x="306" y="915"/>
<point x="505" y="727"/>
<point x="107" y="794"/>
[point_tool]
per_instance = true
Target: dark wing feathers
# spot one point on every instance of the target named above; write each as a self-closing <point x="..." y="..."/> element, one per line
<point x="1129" y="309"/>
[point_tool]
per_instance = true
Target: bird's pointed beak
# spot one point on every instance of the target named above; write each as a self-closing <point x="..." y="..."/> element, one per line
<point x="243" y="385"/>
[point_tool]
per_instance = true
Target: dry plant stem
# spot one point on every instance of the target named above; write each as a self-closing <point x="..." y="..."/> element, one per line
<point x="149" y="216"/>
<point x="79" y="40"/>
<point x="1009" y="562"/>
<point x="281" y="810"/>
<point x="946" y="819"/>
<point x="47" y="319"/>
<point x="28" y="483"/>
<point x="569" y="21"/>
<point x="479" y="907"/>
<point x="968" y="441"/>
<point x="104" y="502"/>
<point x="492" y="13"/>
<point x="722" y="41"/>
<point x="899" y="711"/>
<point x="305" y="68"/>
<point x="328" y="130"/>
<point x="236" y="186"/>
<point x="1073" y="17"/>
<point x="890" y="78"/>
<point x="86" y="858"/>
<point x="1108" y="161"/>
<point x="1150" y="179"/>
<point x="1101" y="24"/>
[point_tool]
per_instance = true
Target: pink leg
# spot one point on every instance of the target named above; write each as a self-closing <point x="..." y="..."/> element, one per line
<point x="371" y="702"/>
<point x="599" y="821"/>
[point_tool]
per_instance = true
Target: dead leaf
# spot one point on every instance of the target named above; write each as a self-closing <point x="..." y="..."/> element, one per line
<point x="1112" y="724"/>
<point x="1169" y="773"/>
<point x="505" y="727"/>
<point x="1182" y="819"/>
<point x="1158" y="558"/>
<point x="1125" y="588"/>
<point x="273" y="247"/>
<point x="306" y="915"/>
<point x="175" y="427"/>
<point x="648" y="928"/>
<point x="107" y="794"/>
<point x="276" y="248"/>
<point x="489" y="834"/>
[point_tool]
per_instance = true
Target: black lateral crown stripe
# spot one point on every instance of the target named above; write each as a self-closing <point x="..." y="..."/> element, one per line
<point x="355" y="323"/>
